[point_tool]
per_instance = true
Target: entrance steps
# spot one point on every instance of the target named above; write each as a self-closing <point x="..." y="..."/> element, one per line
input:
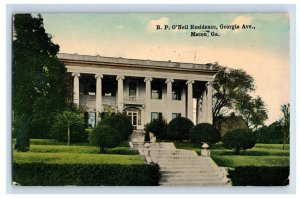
<point x="180" y="167"/>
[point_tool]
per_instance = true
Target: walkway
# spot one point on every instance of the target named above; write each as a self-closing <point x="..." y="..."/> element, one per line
<point x="179" y="166"/>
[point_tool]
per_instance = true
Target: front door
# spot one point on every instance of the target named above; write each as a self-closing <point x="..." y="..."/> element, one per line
<point x="133" y="117"/>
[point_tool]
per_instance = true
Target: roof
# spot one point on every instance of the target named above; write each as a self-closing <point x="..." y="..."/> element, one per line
<point x="114" y="60"/>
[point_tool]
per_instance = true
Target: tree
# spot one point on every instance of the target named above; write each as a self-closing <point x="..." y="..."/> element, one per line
<point x="104" y="137"/>
<point x="239" y="139"/>
<point x="68" y="119"/>
<point x="158" y="127"/>
<point x="271" y="134"/>
<point x="252" y="110"/>
<point x="204" y="132"/>
<point x="121" y="123"/>
<point x="38" y="78"/>
<point x="178" y="128"/>
<point x="230" y="85"/>
<point x="285" y="123"/>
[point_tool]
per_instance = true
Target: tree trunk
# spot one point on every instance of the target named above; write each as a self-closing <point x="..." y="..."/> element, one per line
<point x="69" y="136"/>
<point x="21" y="128"/>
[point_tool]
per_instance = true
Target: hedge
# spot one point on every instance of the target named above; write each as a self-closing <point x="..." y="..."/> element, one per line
<point x="40" y="174"/>
<point x="260" y="176"/>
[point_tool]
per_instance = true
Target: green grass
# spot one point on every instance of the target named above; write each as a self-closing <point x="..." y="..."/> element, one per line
<point x="55" y="142"/>
<point x="51" y="151"/>
<point x="260" y="155"/>
<point x="234" y="161"/>
<point x="79" y="149"/>
<point x="75" y="158"/>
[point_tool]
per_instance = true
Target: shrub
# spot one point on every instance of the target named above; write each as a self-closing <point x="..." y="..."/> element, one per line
<point x="204" y="132"/>
<point x="147" y="136"/>
<point x="45" y="174"/>
<point x="259" y="176"/>
<point x="178" y="128"/>
<point x="157" y="126"/>
<point x="239" y="139"/>
<point x="119" y="122"/>
<point x="69" y="127"/>
<point x="21" y="130"/>
<point x="105" y="137"/>
<point x="272" y="134"/>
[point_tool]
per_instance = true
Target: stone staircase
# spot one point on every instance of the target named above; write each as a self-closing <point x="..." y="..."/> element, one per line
<point x="179" y="166"/>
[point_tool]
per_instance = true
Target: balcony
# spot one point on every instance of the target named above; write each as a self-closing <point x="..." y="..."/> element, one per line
<point x="133" y="100"/>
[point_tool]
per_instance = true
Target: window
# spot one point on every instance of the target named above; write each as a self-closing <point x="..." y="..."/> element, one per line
<point x="176" y="94"/>
<point x="156" y="94"/>
<point x="90" y="119"/>
<point x="132" y="90"/>
<point x="176" y="115"/>
<point x="156" y="115"/>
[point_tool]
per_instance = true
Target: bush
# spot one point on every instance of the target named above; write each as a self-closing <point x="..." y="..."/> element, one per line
<point x="105" y="137"/>
<point x="239" y="139"/>
<point x="119" y="122"/>
<point x="21" y="130"/>
<point x="147" y="136"/>
<point x="158" y="127"/>
<point x="178" y="129"/>
<point x="259" y="176"/>
<point x="204" y="132"/>
<point x="45" y="174"/>
<point x="71" y="119"/>
<point x="272" y="134"/>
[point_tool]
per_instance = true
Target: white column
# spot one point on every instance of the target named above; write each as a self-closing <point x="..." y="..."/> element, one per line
<point x="169" y="99"/>
<point x="76" y="88"/>
<point x="204" y="106"/>
<point x="209" y="118"/>
<point x="190" y="99"/>
<point x="198" y="111"/>
<point x="120" y="103"/>
<point x="183" y="99"/>
<point x="98" y="96"/>
<point x="148" y="99"/>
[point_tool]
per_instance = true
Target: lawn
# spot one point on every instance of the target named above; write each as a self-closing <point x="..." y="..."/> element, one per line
<point x="260" y="155"/>
<point x="49" y="163"/>
<point x="50" y="151"/>
<point x="75" y="158"/>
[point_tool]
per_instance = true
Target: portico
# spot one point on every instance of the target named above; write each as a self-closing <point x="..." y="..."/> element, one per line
<point x="142" y="89"/>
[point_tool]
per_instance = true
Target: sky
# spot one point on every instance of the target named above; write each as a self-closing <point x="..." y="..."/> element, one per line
<point x="262" y="50"/>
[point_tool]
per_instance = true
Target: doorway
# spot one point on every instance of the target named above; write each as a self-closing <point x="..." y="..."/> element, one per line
<point x="133" y="117"/>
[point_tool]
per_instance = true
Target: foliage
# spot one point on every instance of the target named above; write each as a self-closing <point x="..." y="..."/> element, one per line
<point x="230" y="86"/>
<point x="260" y="176"/>
<point x="252" y="110"/>
<point x="21" y="131"/>
<point x="109" y="174"/>
<point x="147" y="136"/>
<point x="158" y="127"/>
<point x="120" y="123"/>
<point x="239" y="139"/>
<point x="204" y="132"/>
<point x="178" y="129"/>
<point x="105" y="137"/>
<point x="270" y="134"/>
<point x="38" y="77"/>
<point x="69" y="127"/>
<point x="285" y="123"/>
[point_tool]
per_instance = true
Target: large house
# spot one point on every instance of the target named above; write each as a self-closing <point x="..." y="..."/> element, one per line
<point x="143" y="89"/>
